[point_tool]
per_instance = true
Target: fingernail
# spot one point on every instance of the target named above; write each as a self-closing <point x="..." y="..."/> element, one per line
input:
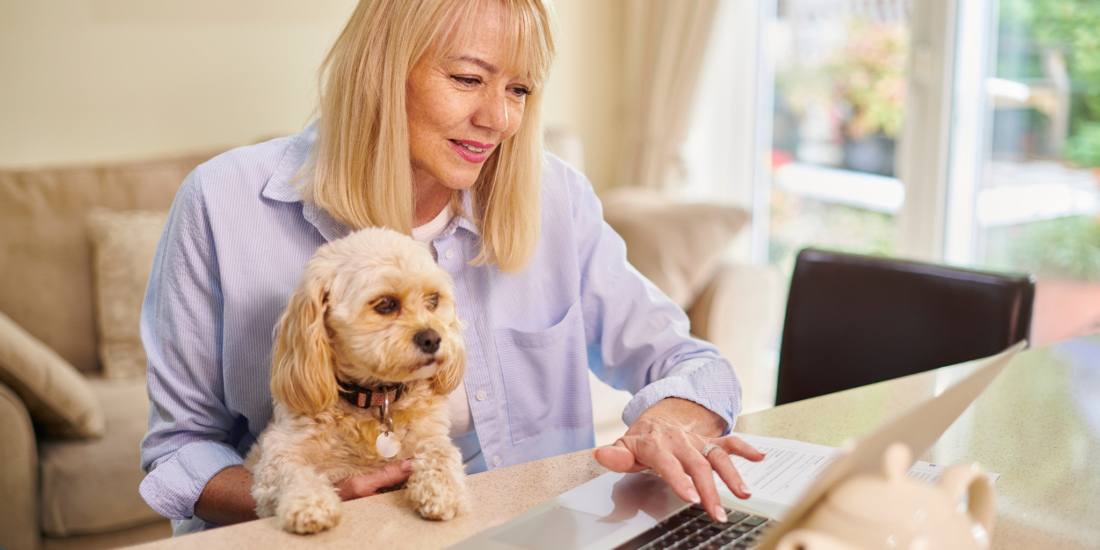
<point x="720" y="513"/>
<point x="407" y="465"/>
<point x="694" y="497"/>
<point x="745" y="489"/>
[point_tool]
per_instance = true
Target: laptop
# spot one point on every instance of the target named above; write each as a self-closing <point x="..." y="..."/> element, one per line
<point x="639" y="512"/>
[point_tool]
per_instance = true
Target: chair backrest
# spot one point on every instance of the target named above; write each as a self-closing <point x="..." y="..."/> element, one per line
<point x="855" y="320"/>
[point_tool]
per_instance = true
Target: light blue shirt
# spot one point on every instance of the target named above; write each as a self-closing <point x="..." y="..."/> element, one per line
<point x="234" y="249"/>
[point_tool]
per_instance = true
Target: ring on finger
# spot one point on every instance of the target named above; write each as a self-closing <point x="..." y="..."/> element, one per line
<point x="710" y="447"/>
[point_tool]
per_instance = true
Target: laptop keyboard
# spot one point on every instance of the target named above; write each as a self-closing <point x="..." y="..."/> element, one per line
<point x="692" y="529"/>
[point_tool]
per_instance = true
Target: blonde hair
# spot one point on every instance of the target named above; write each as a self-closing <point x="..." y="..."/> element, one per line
<point x="360" y="170"/>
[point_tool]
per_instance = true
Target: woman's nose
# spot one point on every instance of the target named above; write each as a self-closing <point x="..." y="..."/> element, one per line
<point x="492" y="113"/>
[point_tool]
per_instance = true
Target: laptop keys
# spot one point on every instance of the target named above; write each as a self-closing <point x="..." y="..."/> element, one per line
<point x="645" y="538"/>
<point x="692" y="530"/>
<point x="735" y="516"/>
<point x="755" y="520"/>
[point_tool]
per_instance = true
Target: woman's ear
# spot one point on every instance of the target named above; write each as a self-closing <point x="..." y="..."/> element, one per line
<point x="302" y="375"/>
<point x="452" y="371"/>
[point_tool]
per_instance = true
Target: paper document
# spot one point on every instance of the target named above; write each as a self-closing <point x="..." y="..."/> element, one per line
<point x="792" y="466"/>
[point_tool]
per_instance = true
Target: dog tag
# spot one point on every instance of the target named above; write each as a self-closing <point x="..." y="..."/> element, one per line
<point x="387" y="445"/>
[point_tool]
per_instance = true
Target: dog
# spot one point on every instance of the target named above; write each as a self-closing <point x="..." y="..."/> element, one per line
<point x="366" y="352"/>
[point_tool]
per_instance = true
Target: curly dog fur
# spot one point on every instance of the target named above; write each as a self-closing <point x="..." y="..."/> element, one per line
<point x="355" y="318"/>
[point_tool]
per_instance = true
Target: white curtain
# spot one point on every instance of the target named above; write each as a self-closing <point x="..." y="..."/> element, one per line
<point x="665" y="42"/>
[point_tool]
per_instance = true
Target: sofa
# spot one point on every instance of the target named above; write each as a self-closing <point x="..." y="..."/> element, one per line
<point x="69" y="462"/>
<point x="76" y="245"/>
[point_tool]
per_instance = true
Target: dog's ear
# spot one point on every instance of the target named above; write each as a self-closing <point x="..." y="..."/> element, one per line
<point x="452" y="371"/>
<point x="302" y="375"/>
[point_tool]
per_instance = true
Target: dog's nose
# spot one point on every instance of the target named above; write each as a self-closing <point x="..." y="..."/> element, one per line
<point x="427" y="340"/>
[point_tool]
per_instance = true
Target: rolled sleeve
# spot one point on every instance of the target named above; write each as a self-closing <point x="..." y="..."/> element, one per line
<point x="173" y="487"/>
<point x="711" y="384"/>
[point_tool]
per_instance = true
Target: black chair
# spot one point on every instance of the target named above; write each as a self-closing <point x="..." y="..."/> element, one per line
<point x="855" y="320"/>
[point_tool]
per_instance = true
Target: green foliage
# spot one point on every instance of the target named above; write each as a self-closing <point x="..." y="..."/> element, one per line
<point x="798" y="222"/>
<point x="1074" y="25"/>
<point x="866" y="74"/>
<point x="1084" y="147"/>
<point x="1066" y="247"/>
<point x="869" y="73"/>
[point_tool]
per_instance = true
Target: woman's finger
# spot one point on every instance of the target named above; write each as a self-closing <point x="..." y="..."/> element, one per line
<point x="720" y="460"/>
<point x="670" y="468"/>
<point x="702" y="475"/>
<point x="737" y="446"/>
<point x="617" y="458"/>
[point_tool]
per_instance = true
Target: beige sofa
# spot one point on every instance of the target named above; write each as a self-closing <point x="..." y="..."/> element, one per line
<point x="69" y="487"/>
<point x="71" y="428"/>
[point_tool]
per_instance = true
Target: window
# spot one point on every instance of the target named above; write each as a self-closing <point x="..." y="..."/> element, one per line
<point x="1026" y="194"/>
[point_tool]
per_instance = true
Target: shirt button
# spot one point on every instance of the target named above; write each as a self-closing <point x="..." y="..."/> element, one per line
<point x="450" y="254"/>
<point x="481" y="396"/>
<point x="496" y="461"/>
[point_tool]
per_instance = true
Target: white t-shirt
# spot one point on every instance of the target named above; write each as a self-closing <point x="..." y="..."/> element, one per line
<point x="462" y="421"/>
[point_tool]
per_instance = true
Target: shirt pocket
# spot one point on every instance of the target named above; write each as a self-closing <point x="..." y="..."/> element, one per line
<point x="545" y="377"/>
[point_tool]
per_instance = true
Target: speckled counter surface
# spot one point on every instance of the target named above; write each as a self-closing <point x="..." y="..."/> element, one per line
<point x="1038" y="425"/>
<point x="387" y="521"/>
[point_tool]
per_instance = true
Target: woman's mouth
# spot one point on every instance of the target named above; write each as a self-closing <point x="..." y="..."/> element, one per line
<point x="472" y="151"/>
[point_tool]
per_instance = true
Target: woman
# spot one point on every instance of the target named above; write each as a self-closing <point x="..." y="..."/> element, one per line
<point x="429" y="125"/>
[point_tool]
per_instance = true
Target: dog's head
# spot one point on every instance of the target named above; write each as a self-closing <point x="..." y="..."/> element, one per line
<point x="372" y="308"/>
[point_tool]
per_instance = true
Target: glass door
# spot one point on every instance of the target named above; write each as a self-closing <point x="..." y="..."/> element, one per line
<point x="837" y="112"/>
<point x="1026" y="198"/>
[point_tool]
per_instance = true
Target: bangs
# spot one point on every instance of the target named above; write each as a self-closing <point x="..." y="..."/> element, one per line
<point x="527" y="29"/>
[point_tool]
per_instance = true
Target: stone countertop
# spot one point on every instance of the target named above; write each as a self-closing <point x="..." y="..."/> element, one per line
<point x="388" y="520"/>
<point x="1038" y="425"/>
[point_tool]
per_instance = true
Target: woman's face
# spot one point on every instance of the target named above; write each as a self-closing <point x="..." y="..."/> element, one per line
<point x="462" y="106"/>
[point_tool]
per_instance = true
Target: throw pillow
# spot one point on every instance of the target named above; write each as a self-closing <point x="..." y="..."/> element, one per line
<point x="123" y="247"/>
<point x="58" y="398"/>
<point x="675" y="245"/>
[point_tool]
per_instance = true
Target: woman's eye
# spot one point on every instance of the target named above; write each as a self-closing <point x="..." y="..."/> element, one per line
<point x="433" y="301"/>
<point x="521" y="91"/>
<point x="467" y="80"/>
<point x="386" y="304"/>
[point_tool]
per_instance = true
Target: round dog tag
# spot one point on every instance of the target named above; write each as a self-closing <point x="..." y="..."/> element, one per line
<point x="387" y="445"/>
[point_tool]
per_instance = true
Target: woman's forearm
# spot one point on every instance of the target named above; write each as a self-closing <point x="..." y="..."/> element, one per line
<point x="227" y="497"/>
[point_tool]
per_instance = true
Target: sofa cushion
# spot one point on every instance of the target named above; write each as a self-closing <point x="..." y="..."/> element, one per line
<point x="675" y="245"/>
<point x="92" y="486"/>
<point x="58" y="398"/>
<point x="45" y="256"/>
<point x="123" y="244"/>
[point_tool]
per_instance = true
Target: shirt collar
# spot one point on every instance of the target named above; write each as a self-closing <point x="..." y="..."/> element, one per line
<point x="280" y="188"/>
<point x="462" y="221"/>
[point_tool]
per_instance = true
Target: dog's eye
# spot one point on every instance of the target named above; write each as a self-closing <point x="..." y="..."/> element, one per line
<point x="386" y="305"/>
<point x="433" y="301"/>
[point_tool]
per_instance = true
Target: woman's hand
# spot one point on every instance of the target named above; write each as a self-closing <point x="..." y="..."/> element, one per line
<point x="669" y="438"/>
<point x="365" y="485"/>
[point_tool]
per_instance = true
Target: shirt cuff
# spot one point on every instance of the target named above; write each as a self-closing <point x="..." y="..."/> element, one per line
<point x="173" y="487"/>
<point x="710" y="383"/>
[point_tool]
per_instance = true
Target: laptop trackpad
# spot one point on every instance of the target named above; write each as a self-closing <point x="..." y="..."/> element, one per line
<point x="559" y="528"/>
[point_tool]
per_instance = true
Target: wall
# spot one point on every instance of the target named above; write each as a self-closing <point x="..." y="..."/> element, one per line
<point x="91" y="80"/>
<point x="94" y="80"/>
<point x="584" y="91"/>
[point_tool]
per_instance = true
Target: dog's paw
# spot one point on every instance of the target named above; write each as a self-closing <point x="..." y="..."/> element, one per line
<point x="310" y="515"/>
<point x="438" y="495"/>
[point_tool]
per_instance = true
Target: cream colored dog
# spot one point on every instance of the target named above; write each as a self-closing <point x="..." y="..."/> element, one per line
<point x="367" y="350"/>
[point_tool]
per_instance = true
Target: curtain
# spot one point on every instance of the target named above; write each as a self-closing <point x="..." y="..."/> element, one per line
<point x="665" y="42"/>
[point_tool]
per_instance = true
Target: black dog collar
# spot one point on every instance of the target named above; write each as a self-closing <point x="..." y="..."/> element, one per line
<point x="366" y="398"/>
